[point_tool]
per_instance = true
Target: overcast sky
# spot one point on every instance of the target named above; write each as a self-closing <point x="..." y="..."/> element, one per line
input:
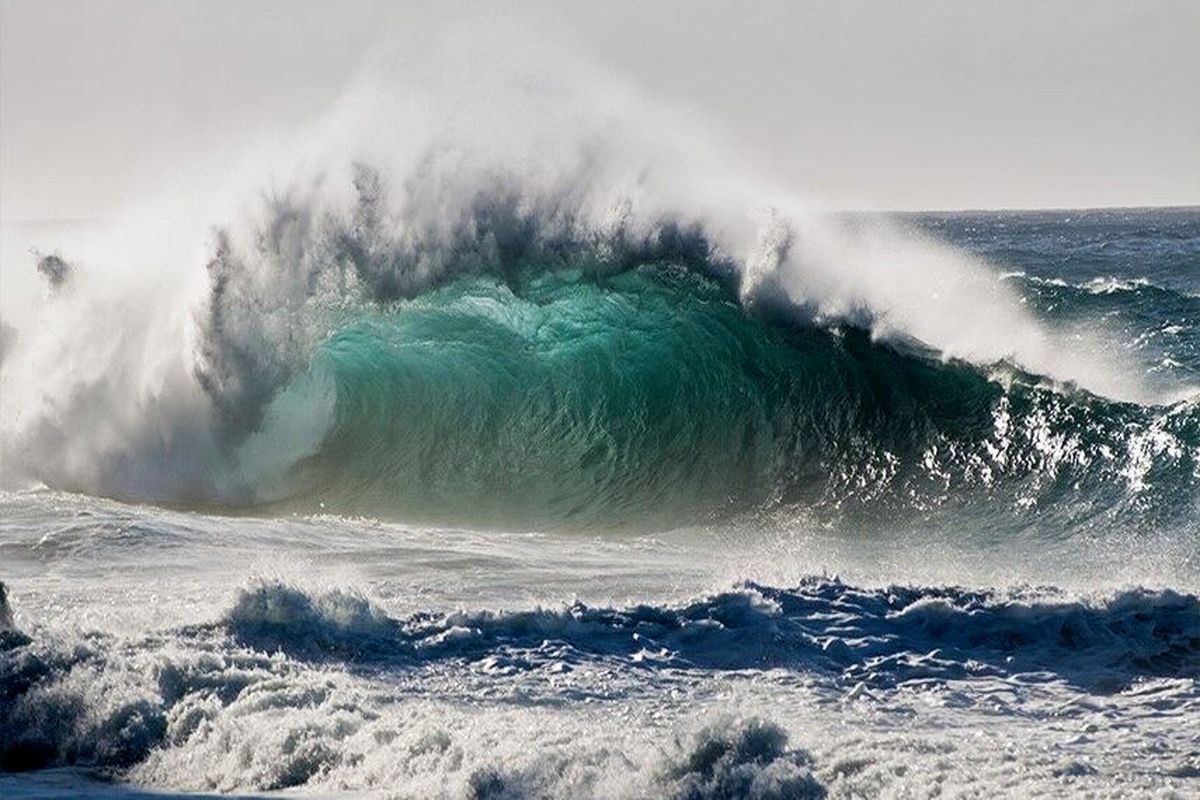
<point x="912" y="105"/>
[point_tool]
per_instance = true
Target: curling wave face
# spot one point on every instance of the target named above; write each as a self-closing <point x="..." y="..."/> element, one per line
<point x="652" y="396"/>
<point x="480" y="348"/>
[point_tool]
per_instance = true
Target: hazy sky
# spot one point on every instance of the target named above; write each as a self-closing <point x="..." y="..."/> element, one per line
<point x="878" y="105"/>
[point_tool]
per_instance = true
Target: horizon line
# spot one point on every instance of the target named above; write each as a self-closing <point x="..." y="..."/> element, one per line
<point x="843" y="210"/>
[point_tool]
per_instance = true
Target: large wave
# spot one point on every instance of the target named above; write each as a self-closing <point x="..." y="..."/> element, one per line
<point x="566" y="396"/>
<point x="583" y="322"/>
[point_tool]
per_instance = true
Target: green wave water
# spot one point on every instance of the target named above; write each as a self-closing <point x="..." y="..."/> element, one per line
<point x="652" y="397"/>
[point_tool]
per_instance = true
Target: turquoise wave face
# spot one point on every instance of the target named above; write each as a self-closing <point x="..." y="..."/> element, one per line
<point x="652" y="397"/>
<point x="560" y="397"/>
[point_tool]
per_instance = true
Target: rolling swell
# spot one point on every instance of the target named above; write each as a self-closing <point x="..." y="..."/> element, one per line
<point x="881" y="636"/>
<point x="651" y="395"/>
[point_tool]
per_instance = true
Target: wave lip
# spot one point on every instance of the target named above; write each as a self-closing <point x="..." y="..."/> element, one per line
<point x="881" y="636"/>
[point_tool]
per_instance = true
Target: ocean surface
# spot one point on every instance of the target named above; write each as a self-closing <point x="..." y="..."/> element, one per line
<point x="530" y="501"/>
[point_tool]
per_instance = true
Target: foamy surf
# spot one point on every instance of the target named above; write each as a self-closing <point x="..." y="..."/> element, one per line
<point x="826" y="688"/>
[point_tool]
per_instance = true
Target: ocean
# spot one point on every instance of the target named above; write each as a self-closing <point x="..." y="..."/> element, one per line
<point x="507" y="496"/>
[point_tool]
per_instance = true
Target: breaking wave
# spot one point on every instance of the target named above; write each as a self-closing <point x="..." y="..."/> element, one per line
<point x="526" y="370"/>
<point x="573" y="326"/>
<point x="879" y="636"/>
